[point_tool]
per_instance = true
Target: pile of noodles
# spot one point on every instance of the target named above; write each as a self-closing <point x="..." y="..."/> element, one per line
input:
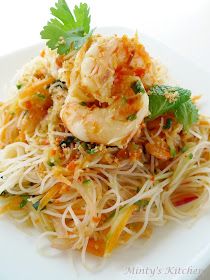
<point x="75" y="192"/>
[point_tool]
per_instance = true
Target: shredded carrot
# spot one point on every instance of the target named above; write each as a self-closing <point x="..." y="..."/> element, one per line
<point x="14" y="204"/>
<point x="122" y="154"/>
<point x="59" y="61"/>
<point x="45" y="142"/>
<point x="53" y="152"/>
<point x="203" y="122"/>
<point x="157" y="151"/>
<point x="154" y="124"/>
<point x="71" y="165"/>
<point x="28" y="104"/>
<point x="79" y="212"/>
<point x="96" y="247"/>
<point x="96" y="219"/>
<point x="42" y="53"/>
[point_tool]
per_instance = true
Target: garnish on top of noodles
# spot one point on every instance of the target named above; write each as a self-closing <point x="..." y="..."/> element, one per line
<point x="107" y="100"/>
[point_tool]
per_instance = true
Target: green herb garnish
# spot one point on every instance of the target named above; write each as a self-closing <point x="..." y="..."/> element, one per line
<point x="184" y="149"/>
<point x="19" y="86"/>
<point x="164" y="99"/>
<point x="84" y="145"/>
<point x="172" y="152"/>
<point x="168" y="124"/>
<point x="142" y="203"/>
<point x="41" y="96"/>
<point x="187" y="114"/>
<point x="51" y="163"/>
<point x="36" y="205"/>
<point x="137" y="87"/>
<point x="132" y="117"/>
<point x="67" y="30"/>
<point x="83" y="103"/>
<point x="24" y="201"/>
<point x="91" y="151"/>
<point x="86" y="182"/>
<point x="190" y="156"/>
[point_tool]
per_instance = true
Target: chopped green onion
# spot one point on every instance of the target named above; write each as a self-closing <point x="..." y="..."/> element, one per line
<point x="41" y="96"/>
<point x="168" y="124"/>
<point x="51" y="163"/>
<point x="142" y="203"/>
<point x="83" y="103"/>
<point x="131" y="117"/>
<point x="24" y="201"/>
<point x="190" y="156"/>
<point x="36" y="205"/>
<point x="91" y="151"/>
<point x="137" y="87"/>
<point x="87" y="181"/>
<point x="172" y="152"/>
<point x="19" y="86"/>
<point x="184" y="149"/>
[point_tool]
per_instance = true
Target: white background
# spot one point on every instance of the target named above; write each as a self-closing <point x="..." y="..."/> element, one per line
<point x="182" y="25"/>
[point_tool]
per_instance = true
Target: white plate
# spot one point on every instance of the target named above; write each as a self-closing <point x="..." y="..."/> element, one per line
<point x="170" y="247"/>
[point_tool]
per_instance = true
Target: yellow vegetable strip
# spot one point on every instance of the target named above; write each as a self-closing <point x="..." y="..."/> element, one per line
<point x="117" y="227"/>
<point x="35" y="88"/>
<point x="14" y="204"/>
<point x="48" y="196"/>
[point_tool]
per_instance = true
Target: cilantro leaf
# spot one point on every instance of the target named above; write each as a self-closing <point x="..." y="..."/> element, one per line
<point x="63" y="13"/>
<point x="159" y="104"/>
<point x="82" y="16"/>
<point x="187" y="114"/>
<point x="67" y="31"/>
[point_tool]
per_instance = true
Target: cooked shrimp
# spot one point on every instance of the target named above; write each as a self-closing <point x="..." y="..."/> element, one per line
<point x="107" y="100"/>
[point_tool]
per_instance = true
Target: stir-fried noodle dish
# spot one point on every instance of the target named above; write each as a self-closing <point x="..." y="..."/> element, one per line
<point x="97" y="149"/>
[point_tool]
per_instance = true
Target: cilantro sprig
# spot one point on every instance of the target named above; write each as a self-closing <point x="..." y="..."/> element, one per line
<point x="164" y="99"/>
<point x="67" y="30"/>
